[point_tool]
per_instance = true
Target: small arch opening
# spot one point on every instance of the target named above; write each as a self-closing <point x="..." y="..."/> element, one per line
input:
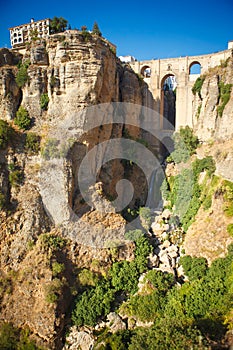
<point x="195" y="68"/>
<point x="146" y="71"/>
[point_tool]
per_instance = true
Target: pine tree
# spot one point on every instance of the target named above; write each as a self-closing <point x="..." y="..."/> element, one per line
<point x="96" y="30"/>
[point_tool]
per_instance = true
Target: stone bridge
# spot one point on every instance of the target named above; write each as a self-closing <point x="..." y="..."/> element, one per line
<point x="155" y="73"/>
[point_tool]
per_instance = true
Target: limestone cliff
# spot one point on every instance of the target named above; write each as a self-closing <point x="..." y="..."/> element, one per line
<point x="211" y="119"/>
<point x="213" y="124"/>
<point x="74" y="72"/>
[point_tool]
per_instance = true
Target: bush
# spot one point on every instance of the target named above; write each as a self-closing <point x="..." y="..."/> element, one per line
<point x="224" y="96"/>
<point x="145" y="217"/>
<point x="5" y="133"/>
<point x="93" y="304"/>
<point x="16" y="177"/>
<point x="22" y="120"/>
<point x="53" y="242"/>
<point x="194" y="268"/>
<point x="44" y="101"/>
<point x="57" y="268"/>
<point x="22" y="75"/>
<point x="32" y="144"/>
<point x="206" y="163"/>
<point x="133" y="235"/>
<point x="12" y="338"/>
<point x="87" y="278"/>
<point x="230" y="229"/>
<point x="53" y="291"/>
<point x="185" y="144"/>
<point x="198" y="85"/>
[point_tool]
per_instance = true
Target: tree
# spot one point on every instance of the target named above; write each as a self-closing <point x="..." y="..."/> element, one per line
<point x="58" y="25"/>
<point x="96" y="30"/>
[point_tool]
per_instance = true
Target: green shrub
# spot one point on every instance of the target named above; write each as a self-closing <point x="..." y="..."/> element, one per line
<point x="194" y="267"/>
<point x="85" y="34"/>
<point x="207" y="202"/>
<point x="198" y="111"/>
<point x="206" y="163"/>
<point x="145" y="217"/>
<point x="185" y="144"/>
<point x="224" y="96"/>
<point x="44" y="101"/>
<point x="32" y="144"/>
<point x="5" y="134"/>
<point x="22" y="120"/>
<point x="22" y="74"/>
<point x="133" y="235"/>
<point x="87" y="278"/>
<point x="198" y="85"/>
<point x="57" y="268"/>
<point x="228" y="198"/>
<point x="92" y="304"/>
<point x="230" y="229"/>
<point x="12" y="338"/>
<point x="53" y="291"/>
<point x="51" y="241"/>
<point x="16" y="177"/>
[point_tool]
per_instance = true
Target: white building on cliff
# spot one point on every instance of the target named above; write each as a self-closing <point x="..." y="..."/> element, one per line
<point x="24" y="33"/>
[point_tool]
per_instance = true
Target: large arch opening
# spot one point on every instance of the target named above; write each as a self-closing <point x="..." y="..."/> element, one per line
<point x="168" y="101"/>
<point x="146" y="71"/>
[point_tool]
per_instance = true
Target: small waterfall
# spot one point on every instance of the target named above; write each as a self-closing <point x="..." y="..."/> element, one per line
<point x="154" y="199"/>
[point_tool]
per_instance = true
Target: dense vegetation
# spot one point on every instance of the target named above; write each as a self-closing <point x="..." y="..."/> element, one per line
<point x="122" y="278"/>
<point x="183" y="191"/>
<point x="185" y="144"/>
<point x="12" y="338"/>
<point x="193" y="315"/>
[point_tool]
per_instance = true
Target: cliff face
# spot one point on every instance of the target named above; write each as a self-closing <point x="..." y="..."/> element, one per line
<point x="210" y="121"/>
<point x="213" y="124"/>
<point x="74" y="73"/>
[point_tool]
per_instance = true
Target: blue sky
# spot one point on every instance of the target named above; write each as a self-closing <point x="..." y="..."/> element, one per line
<point x="154" y="29"/>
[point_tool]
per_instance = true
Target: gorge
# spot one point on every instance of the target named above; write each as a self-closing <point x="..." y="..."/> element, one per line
<point x="86" y="234"/>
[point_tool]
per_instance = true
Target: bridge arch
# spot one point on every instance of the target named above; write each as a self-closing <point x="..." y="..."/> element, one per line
<point x="146" y="71"/>
<point x="168" y="101"/>
<point x="195" y="68"/>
